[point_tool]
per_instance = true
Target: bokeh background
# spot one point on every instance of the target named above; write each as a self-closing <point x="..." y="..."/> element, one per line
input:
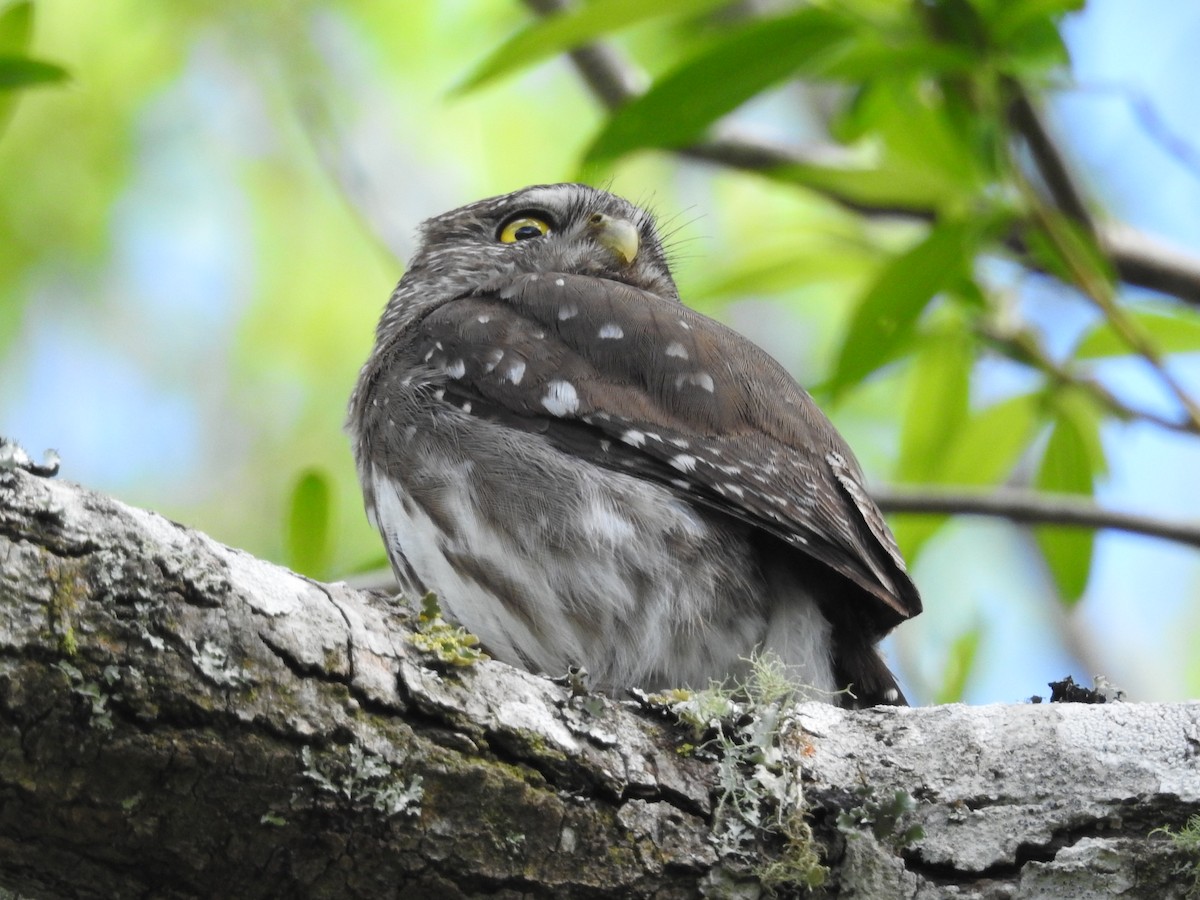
<point x="199" y="229"/>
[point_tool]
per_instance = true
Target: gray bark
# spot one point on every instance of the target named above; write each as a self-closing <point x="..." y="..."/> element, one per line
<point x="180" y="719"/>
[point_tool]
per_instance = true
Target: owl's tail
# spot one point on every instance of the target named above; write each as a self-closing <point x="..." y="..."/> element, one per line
<point x="867" y="677"/>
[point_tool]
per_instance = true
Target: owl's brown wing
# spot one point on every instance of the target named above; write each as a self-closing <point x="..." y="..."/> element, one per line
<point x="641" y="384"/>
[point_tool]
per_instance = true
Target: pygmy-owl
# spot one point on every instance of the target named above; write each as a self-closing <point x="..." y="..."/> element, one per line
<point x="589" y="473"/>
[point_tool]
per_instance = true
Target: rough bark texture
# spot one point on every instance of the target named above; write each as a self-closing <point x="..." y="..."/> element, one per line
<point x="179" y="719"/>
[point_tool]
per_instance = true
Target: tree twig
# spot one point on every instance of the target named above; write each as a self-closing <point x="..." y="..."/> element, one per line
<point x="1031" y="508"/>
<point x="1053" y="168"/>
<point x="1023" y="348"/>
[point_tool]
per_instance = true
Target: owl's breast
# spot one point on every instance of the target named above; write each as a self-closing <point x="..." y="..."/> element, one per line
<point x="553" y="561"/>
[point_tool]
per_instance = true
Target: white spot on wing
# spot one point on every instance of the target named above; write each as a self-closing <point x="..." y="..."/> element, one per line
<point x="483" y="319"/>
<point x="567" y="310"/>
<point x="702" y="380"/>
<point x="493" y="359"/>
<point x="559" y="282"/>
<point x="683" y="462"/>
<point x="677" y="349"/>
<point x="561" y="398"/>
<point x="456" y="369"/>
<point x="735" y="490"/>
<point x="633" y="438"/>
<point x="515" y="372"/>
<point x="611" y="331"/>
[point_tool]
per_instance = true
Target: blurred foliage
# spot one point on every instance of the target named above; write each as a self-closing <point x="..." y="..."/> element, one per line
<point x="1070" y="463"/>
<point x="308" y="524"/>
<point x="960" y="662"/>
<point x="220" y="196"/>
<point x="1169" y="331"/>
<point x="17" y="68"/>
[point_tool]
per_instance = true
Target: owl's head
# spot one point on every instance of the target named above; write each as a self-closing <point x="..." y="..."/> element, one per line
<point x="569" y="228"/>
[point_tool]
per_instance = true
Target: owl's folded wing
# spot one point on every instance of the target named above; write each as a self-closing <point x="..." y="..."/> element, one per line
<point x="641" y="384"/>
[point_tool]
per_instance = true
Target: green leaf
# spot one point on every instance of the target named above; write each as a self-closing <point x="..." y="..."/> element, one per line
<point x="1009" y="19"/>
<point x="375" y="563"/>
<point x="1170" y="332"/>
<point x="990" y="442"/>
<point x="1034" y="50"/>
<point x="937" y="403"/>
<point x="572" y="28"/>
<point x="910" y="151"/>
<point x="770" y="266"/>
<point x="984" y="451"/>
<point x="307" y="537"/>
<point x="20" y="71"/>
<point x="887" y="314"/>
<point x="957" y="22"/>
<point x="923" y="129"/>
<point x="1073" y="455"/>
<point x="16" y="29"/>
<point x="678" y="107"/>
<point x="874" y="53"/>
<point x="891" y="183"/>
<point x="959" y="664"/>
<point x="16" y="69"/>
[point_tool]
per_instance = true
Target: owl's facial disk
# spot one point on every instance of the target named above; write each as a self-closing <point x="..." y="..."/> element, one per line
<point x="571" y="228"/>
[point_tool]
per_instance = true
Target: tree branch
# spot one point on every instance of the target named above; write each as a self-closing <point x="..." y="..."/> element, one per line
<point x="180" y="719"/>
<point x="1148" y="262"/>
<point x="1053" y="168"/>
<point x="1033" y="508"/>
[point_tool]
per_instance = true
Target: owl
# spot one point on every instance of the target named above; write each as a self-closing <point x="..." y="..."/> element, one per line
<point x="588" y="473"/>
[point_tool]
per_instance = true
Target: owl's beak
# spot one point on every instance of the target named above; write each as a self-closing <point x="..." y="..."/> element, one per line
<point x="618" y="235"/>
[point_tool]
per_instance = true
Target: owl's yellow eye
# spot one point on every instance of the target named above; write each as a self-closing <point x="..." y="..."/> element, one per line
<point x="523" y="228"/>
